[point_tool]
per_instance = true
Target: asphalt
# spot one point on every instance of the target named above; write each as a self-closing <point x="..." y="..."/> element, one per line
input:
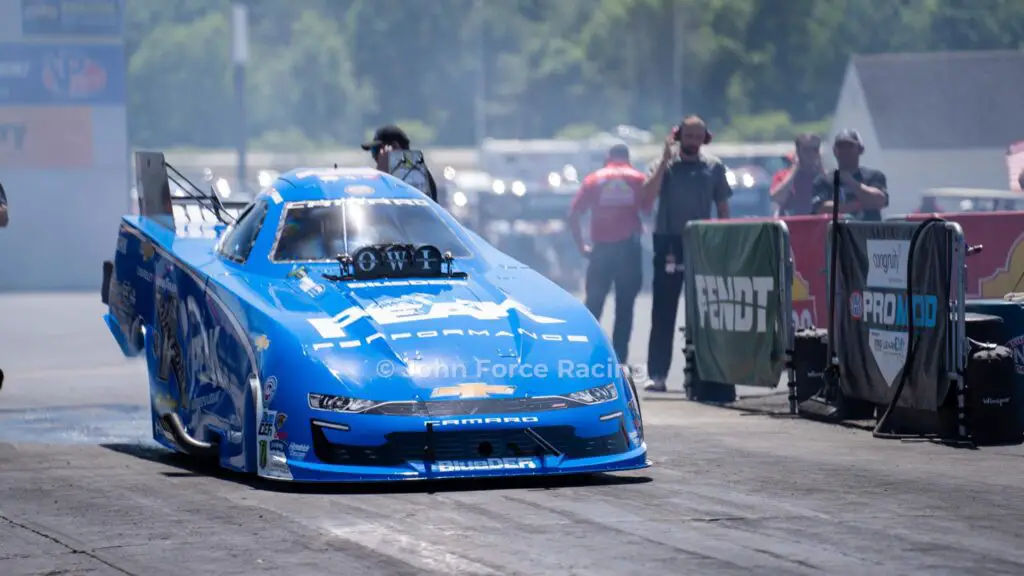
<point x="82" y="491"/>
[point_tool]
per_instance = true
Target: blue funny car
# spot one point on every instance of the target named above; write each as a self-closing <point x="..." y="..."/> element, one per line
<point x="342" y="326"/>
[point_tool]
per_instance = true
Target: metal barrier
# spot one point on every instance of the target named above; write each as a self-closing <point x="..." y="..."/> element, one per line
<point x="874" y="312"/>
<point x="739" y="304"/>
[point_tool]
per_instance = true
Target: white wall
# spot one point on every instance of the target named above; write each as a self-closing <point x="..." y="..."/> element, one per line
<point x="910" y="172"/>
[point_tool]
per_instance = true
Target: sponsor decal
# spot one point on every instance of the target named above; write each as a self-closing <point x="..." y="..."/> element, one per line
<point x="383" y="283"/>
<point x="147" y="249"/>
<point x="204" y="357"/>
<point x="145" y="274"/>
<point x="266" y="429"/>
<point x="276" y="465"/>
<point x="449" y="466"/>
<point x="733" y="303"/>
<point x="122" y="245"/>
<point x="890" y="309"/>
<point x="310" y="287"/>
<point x="887" y="263"/>
<point x="1016" y="345"/>
<point x="167" y="350"/>
<point x="269" y="389"/>
<point x="887" y="315"/>
<point x="207" y="400"/>
<point x="890" y="352"/>
<point x="421" y="307"/>
<point x="359" y="190"/>
<point x="468" y="391"/>
<point x="452" y="422"/>
<point x="298" y="451"/>
<point x="126" y="295"/>
<point x="995" y="401"/>
<point x="261" y="343"/>
<point x="273" y="463"/>
<point x="335" y="174"/>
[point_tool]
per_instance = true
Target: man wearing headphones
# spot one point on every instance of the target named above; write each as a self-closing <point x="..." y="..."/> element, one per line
<point x="862" y="191"/>
<point x="688" y="185"/>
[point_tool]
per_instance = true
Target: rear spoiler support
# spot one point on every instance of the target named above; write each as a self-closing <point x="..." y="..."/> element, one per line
<point x="152" y="181"/>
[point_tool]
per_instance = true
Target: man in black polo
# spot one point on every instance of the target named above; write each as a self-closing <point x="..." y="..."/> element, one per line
<point x="388" y="138"/>
<point x="688" y="185"/>
<point x="863" y="191"/>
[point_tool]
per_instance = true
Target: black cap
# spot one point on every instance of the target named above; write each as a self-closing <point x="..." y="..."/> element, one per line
<point x="848" y="135"/>
<point x="619" y="152"/>
<point x="388" y="134"/>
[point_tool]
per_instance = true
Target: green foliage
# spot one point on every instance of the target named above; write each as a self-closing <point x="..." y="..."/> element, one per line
<point x="324" y="72"/>
<point x="578" y="131"/>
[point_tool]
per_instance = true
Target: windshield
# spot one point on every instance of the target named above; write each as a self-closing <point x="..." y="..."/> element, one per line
<point x="320" y="231"/>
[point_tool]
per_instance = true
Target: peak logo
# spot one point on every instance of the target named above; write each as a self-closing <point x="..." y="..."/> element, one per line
<point x="733" y="303"/>
<point x="418" y="308"/>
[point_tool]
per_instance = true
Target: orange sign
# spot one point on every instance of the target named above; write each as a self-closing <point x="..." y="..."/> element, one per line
<point x="50" y="137"/>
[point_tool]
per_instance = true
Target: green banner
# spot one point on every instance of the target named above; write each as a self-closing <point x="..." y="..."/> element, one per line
<point x="734" y="292"/>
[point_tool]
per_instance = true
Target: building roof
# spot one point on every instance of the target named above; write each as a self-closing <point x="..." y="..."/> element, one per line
<point x="944" y="100"/>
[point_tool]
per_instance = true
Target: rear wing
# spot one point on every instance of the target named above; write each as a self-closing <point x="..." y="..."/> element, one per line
<point x="153" y="177"/>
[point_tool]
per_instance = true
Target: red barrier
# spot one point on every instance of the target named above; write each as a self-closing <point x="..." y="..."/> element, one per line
<point x="994" y="272"/>
<point x="808" y="236"/>
<point x="999" y="267"/>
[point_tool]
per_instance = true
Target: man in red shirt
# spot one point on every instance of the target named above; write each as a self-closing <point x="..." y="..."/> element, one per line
<point x="612" y="195"/>
<point x="793" y="188"/>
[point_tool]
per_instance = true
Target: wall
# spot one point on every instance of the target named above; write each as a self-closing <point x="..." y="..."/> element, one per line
<point x="910" y="172"/>
<point x="63" y="141"/>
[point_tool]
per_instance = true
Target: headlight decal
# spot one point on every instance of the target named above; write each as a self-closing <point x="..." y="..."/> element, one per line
<point x="596" y="395"/>
<point x="331" y="403"/>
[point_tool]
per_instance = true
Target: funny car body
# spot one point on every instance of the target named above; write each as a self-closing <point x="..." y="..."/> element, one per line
<point x="343" y="327"/>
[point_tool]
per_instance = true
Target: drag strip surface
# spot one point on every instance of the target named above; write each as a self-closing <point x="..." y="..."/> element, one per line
<point x="83" y="492"/>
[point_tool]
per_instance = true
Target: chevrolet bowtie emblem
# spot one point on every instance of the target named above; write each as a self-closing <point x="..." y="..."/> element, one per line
<point x="147" y="250"/>
<point x="262" y="342"/>
<point x="467" y="391"/>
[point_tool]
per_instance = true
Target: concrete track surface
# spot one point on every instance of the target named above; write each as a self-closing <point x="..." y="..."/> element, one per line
<point x="83" y="492"/>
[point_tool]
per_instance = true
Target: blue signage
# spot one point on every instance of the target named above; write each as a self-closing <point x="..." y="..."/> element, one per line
<point x="72" y="18"/>
<point x="47" y="75"/>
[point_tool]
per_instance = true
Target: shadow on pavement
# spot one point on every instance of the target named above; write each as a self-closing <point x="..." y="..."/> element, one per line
<point x="189" y="466"/>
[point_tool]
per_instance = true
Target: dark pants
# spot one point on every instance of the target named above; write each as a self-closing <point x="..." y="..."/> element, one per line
<point x="618" y="264"/>
<point x="666" y="289"/>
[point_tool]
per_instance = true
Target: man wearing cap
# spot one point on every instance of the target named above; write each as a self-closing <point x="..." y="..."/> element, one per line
<point x="612" y="195"/>
<point x="793" y="188"/>
<point x="862" y="191"/>
<point x="388" y="138"/>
